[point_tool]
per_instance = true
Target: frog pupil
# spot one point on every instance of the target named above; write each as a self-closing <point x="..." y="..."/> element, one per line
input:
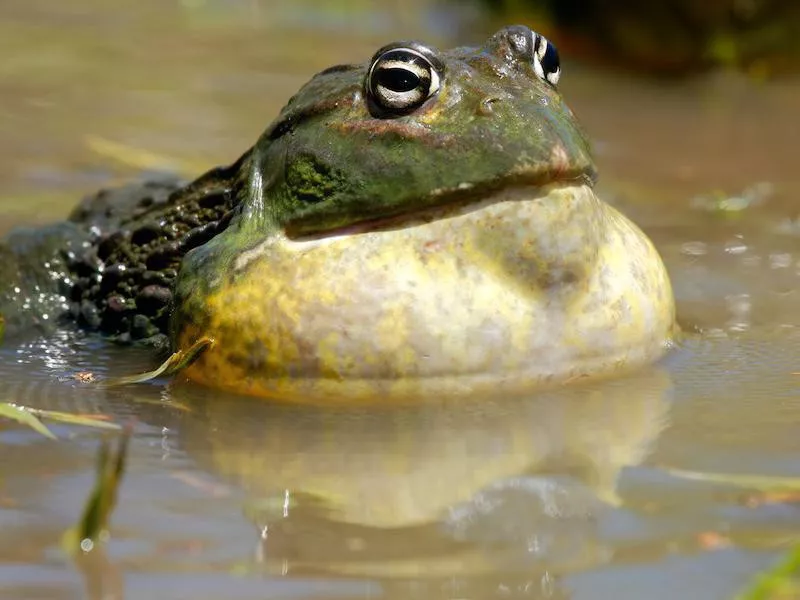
<point x="545" y="60"/>
<point x="398" y="79"/>
<point x="550" y="60"/>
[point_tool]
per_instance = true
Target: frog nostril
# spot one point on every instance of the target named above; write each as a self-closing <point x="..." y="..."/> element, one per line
<point x="486" y="106"/>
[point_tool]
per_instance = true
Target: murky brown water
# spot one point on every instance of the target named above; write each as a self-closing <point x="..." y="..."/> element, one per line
<point x="564" y="494"/>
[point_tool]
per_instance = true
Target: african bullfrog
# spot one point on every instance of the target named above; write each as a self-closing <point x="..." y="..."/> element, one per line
<point x="422" y="223"/>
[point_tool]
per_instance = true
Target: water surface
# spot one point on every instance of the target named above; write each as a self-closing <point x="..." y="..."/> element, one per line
<point x="565" y="494"/>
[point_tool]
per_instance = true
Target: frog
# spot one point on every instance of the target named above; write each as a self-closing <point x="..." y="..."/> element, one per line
<point x="423" y="224"/>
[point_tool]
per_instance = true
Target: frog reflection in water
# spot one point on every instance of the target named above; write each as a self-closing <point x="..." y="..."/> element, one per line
<point x="420" y="224"/>
<point x="501" y="483"/>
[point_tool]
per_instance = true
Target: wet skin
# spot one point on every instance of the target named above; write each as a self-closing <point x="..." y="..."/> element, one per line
<point x="420" y="223"/>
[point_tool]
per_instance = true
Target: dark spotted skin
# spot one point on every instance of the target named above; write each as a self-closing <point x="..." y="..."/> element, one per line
<point x="112" y="265"/>
<point x="125" y="277"/>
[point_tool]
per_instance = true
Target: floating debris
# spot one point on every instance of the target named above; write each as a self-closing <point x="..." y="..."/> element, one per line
<point x="726" y="204"/>
<point x="783" y="580"/>
<point x="84" y="377"/>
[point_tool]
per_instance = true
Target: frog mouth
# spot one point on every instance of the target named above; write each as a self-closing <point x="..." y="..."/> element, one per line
<point x="447" y="203"/>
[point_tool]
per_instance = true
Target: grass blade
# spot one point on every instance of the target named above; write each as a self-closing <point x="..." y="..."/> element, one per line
<point x="756" y="482"/>
<point x="779" y="582"/>
<point x="70" y="419"/>
<point x="93" y="525"/>
<point x="22" y="415"/>
<point x="174" y="364"/>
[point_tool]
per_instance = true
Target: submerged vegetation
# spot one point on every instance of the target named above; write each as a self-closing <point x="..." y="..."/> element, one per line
<point x="93" y="526"/>
<point x="91" y="531"/>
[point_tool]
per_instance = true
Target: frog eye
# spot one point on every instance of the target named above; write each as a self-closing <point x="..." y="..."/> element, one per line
<point x="401" y="78"/>
<point x="535" y="49"/>
<point x="546" y="64"/>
